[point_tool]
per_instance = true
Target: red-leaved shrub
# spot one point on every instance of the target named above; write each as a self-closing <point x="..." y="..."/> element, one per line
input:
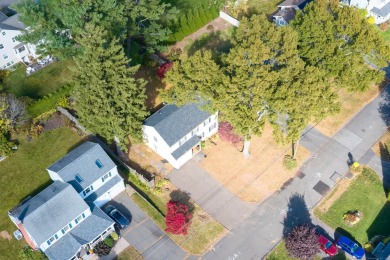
<point x="163" y="69"/>
<point x="178" y="218"/>
<point x="226" y="133"/>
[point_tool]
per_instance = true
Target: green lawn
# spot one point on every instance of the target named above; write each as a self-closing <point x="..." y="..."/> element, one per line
<point x="365" y="194"/>
<point x="386" y="34"/>
<point x="40" y="83"/>
<point x="149" y="210"/>
<point x="129" y="254"/>
<point x="24" y="173"/>
<point x="263" y="6"/>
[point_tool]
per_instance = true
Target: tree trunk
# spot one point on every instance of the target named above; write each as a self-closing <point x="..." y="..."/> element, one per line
<point x="245" y="151"/>
<point x="295" y="148"/>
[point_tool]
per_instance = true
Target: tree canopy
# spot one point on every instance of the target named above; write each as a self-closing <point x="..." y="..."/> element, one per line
<point x="340" y="41"/>
<point x="110" y="102"/>
<point x="56" y="24"/>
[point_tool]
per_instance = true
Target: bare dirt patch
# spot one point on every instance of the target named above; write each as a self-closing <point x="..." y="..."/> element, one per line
<point x="351" y="103"/>
<point x="143" y="158"/>
<point x="256" y="178"/>
<point x="382" y="147"/>
<point x="5" y="235"/>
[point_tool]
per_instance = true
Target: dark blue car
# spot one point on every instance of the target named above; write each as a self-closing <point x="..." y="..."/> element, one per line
<point x="117" y="216"/>
<point x="350" y="247"/>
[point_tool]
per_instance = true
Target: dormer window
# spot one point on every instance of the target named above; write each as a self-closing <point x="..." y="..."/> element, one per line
<point x="78" y="178"/>
<point x="50" y="241"/>
<point x="88" y="190"/>
<point x="104" y="177"/>
<point x="99" y="163"/>
<point x="3" y="33"/>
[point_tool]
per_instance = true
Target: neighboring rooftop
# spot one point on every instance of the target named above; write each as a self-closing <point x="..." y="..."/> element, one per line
<point x="173" y="123"/>
<point x="11" y="23"/>
<point x="384" y="11"/>
<point x="50" y="210"/>
<point x="92" y="227"/>
<point x="88" y="162"/>
<point x="288" y="3"/>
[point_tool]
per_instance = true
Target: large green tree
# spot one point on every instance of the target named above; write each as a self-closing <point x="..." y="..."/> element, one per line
<point x="340" y="41"/>
<point x="56" y="24"/>
<point x="110" y="102"/>
<point x="261" y="79"/>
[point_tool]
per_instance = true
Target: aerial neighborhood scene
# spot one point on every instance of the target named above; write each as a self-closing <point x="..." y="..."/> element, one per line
<point x="183" y="129"/>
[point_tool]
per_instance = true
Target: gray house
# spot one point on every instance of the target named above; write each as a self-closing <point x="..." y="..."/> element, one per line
<point x="64" y="220"/>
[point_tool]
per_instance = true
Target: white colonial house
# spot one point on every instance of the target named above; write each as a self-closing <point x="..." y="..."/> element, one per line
<point x="64" y="220"/>
<point x="288" y="10"/>
<point x="175" y="133"/>
<point x="379" y="9"/>
<point x="11" y="50"/>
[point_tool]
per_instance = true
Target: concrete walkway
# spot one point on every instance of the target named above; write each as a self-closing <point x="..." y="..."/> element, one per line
<point x="210" y="194"/>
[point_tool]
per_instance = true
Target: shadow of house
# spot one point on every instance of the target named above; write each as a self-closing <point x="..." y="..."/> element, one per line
<point x="297" y="213"/>
<point x="385" y="158"/>
<point x="380" y="226"/>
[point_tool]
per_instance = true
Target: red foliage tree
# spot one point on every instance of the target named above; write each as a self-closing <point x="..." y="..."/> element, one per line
<point x="226" y="133"/>
<point x="178" y="218"/>
<point x="163" y="69"/>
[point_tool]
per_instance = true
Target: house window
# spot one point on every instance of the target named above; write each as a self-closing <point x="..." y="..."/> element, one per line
<point x="5" y="56"/>
<point x="99" y="163"/>
<point x="197" y="129"/>
<point x="66" y="228"/>
<point x="209" y="119"/>
<point x="56" y="236"/>
<point x="192" y="133"/>
<point x="104" y="177"/>
<point x="78" y="178"/>
<point x="88" y="190"/>
<point x="1" y="46"/>
<point x="14" y="39"/>
<point x="16" y="51"/>
<point x="50" y="241"/>
<point x="204" y="123"/>
<point x="22" y="49"/>
<point x="83" y="215"/>
<point x="77" y="220"/>
<point x="70" y="225"/>
<point x="3" y="33"/>
<point x="109" y="174"/>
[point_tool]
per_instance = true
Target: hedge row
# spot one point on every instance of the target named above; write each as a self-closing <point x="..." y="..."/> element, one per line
<point x="50" y="101"/>
<point x="192" y="21"/>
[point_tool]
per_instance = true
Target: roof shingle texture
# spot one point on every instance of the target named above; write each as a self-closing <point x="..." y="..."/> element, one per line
<point x="11" y="23"/>
<point x="173" y="123"/>
<point x="50" y="210"/>
<point x="82" y="161"/>
<point x="85" y="232"/>
<point x="384" y="11"/>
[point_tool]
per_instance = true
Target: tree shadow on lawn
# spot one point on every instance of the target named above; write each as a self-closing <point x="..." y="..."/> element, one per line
<point x="297" y="213"/>
<point x="380" y="226"/>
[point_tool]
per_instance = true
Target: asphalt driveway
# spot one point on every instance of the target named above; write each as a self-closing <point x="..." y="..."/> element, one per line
<point x="211" y="195"/>
<point x="143" y="234"/>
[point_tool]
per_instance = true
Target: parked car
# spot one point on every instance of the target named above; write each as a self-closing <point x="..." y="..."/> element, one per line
<point x="117" y="216"/>
<point x="350" y="247"/>
<point x="327" y="246"/>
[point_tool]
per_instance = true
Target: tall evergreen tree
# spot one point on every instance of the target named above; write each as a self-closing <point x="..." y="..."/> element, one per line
<point x="110" y="102"/>
<point x="339" y="40"/>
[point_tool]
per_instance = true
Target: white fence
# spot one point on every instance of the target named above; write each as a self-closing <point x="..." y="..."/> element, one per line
<point x="229" y="19"/>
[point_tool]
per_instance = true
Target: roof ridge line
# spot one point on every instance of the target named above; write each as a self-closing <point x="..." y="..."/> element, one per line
<point x="169" y="114"/>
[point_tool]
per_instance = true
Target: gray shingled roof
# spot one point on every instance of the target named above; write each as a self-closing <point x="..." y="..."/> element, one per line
<point x="82" y="161"/>
<point x="108" y="185"/>
<point x="384" y="11"/>
<point x="50" y="210"/>
<point x="85" y="232"/>
<point x="186" y="147"/>
<point x="160" y="115"/>
<point x="175" y="124"/>
<point x="292" y="3"/>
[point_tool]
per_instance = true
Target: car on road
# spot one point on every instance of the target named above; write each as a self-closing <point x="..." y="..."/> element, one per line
<point x="327" y="246"/>
<point x="117" y="216"/>
<point x="350" y="247"/>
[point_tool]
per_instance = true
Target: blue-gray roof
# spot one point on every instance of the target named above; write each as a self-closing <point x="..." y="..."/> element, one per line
<point x="384" y="11"/>
<point x="173" y="124"/>
<point x="83" y="161"/>
<point x="12" y="23"/>
<point x="107" y="186"/>
<point x="186" y="147"/>
<point x="85" y="232"/>
<point x="50" y="210"/>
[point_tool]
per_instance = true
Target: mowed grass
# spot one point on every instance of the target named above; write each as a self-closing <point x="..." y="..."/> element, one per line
<point x="129" y="254"/>
<point x="40" y="83"/>
<point x="203" y="232"/>
<point x="386" y="34"/>
<point x="367" y="195"/>
<point x="24" y="173"/>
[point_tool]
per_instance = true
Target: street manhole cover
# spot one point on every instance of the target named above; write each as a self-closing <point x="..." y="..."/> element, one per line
<point x="321" y="187"/>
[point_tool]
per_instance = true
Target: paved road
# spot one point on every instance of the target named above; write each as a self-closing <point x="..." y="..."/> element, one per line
<point x="256" y="236"/>
<point x="143" y="234"/>
<point x="210" y="194"/>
